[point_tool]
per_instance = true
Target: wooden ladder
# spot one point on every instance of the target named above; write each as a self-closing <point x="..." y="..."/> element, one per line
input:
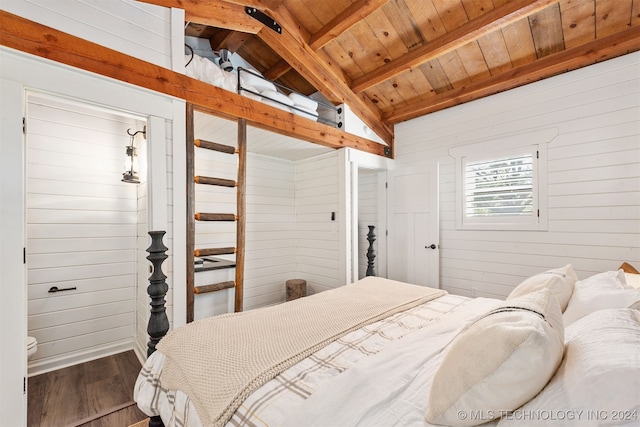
<point x="194" y="144"/>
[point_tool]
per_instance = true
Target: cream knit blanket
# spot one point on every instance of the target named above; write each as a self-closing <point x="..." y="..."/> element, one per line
<point x="219" y="361"/>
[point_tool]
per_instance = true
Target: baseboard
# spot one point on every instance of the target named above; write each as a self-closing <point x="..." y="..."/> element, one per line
<point x="140" y="351"/>
<point x="51" y="364"/>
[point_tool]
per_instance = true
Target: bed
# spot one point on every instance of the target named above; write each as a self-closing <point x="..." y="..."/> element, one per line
<point x="557" y="351"/>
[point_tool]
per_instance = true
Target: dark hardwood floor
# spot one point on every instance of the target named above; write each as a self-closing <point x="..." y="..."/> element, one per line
<point x="93" y="394"/>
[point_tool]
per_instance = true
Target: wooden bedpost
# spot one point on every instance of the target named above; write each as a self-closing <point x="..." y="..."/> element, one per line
<point x="371" y="237"/>
<point x="158" y="325"/>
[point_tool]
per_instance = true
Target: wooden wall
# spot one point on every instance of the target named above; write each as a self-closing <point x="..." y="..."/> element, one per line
<point x="135" y="28"/>
<point x="270" y="230"/>
<point x="318" y="244"/>
<point x="593" y="176"/>
<point x="82" y="225"/>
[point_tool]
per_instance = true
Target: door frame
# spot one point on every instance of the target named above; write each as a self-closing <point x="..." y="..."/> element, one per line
<point x="356" y="160"/>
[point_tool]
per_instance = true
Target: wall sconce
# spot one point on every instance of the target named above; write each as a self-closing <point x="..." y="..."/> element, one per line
<point x="131" y="162"/>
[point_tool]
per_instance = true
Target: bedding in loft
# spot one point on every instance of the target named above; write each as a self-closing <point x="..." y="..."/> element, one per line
<point x="252" y="85"/>
<point x="447" y="360"/>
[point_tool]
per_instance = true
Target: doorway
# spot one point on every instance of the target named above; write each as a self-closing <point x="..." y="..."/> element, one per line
<point x="371" y="223"/>
<point x="82" y="226"/>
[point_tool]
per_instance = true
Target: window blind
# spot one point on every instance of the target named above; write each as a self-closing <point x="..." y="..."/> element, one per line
<point x="499" y="187"/>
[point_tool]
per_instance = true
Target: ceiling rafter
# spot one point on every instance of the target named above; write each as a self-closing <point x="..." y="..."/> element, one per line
<point x="595" y="51"/>
<point x="473" y="30"/>
<point x="338" y="25"/>
<point x="291" y="45"/>
<point x="345" y="20"/>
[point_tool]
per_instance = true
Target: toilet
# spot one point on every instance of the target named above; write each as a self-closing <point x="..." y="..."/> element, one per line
<point x="32" y="347"/>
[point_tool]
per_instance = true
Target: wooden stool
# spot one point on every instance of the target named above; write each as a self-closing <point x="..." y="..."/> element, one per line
<point x="296" y="288"/>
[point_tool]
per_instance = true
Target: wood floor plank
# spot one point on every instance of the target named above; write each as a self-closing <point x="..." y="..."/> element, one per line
<point x="73" y="395"/>
<point x="35" y="397"/>
<point x="99" y="369"/>
<point x="64" y="397"/>
<point x="106" y="393"/>
<point x="129" y="368"/>
<point x="123" y="417"/>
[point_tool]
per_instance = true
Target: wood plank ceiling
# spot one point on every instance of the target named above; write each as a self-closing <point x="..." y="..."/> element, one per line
<point x="393" y="60"/>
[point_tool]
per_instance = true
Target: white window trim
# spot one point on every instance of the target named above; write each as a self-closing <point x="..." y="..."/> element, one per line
<point x="511" y="145"/>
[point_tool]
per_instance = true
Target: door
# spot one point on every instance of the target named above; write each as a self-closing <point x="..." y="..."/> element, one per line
<point x="413" y="252"/>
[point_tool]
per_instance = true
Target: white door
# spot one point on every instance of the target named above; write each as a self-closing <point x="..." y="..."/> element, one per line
<point x="413" y="252"/>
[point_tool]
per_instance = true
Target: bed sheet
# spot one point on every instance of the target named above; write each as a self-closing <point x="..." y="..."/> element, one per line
<point x="371" y="357"/>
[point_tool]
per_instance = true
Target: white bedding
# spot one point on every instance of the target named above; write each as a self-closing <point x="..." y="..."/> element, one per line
<point x="431" y="325"/>
<point x="381" y="374"/>
<point x="390" y="388"/>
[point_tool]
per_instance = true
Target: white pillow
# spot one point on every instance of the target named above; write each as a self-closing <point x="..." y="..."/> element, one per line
<point x="632" y="280"/>
<point x="559" y="280"/>
<point x="500" y="362"/>
<point x="598" y="292"/>
<point x="259" y="83"/>
<point x="277" y="96"/>
<point x="598" y="382"/>
<point x="303" y="102"/>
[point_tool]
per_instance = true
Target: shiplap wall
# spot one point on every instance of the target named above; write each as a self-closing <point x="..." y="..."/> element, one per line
<point x="367" y="215"/>
<point x="593" y="176"/>
<point x="82" y="223"/>
<point x="135" y="28"/>
<point x="318" y="252"/>
<point x="270" y="233"/>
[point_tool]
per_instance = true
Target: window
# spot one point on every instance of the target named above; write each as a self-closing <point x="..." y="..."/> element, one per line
<point x="499" y="187"/>
<point x="502" y="190"/>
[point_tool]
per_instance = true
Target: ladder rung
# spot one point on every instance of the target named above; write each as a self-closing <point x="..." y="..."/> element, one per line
<point x="214" y="181"/>
<point x="202" y="216"/>
<point x="214" y="251"/>
<point x="214" y="287"/>
<point x="215" y="146"/>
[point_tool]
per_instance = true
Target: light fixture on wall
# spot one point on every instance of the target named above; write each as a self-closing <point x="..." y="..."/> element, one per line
<point x="131" y="162"/>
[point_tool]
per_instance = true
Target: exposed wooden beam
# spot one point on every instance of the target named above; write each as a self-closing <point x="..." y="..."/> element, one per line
<point x="345" y="20"/>
<point x="220" y="14"/>
<point x="595" y="51"/>
<point x="280" y="68"/>
<point x="473" y="30"/>
<point x="338" y="25"/>
<point x="292" y="47"/>
<point x="233" y="41"/>
<point x="258" y="4"/>
<point x="36" y="39"/>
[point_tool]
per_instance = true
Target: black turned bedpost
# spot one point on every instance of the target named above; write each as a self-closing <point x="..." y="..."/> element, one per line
<point x="371" y="237"/>
<point x="158" y="322"/>
<point x="158" y="325"/>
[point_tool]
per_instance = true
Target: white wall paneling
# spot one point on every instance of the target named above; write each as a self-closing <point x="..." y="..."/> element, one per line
<point x="593" y="176"/>
<point x="270" y="245"/>
<point x="134" y="28"/>
<point x="320" y="250"/>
